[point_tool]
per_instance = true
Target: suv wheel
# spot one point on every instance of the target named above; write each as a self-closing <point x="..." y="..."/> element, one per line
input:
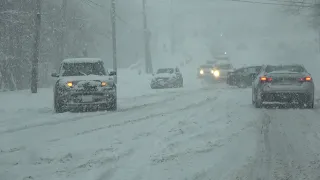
<point x="58" y="105"/>
<point x="181" y="83"/>
<point x="112" y="106"/>
<point x="258" y="100"/>
<point x="310" y="103"/>
<point x="253" y="97"/>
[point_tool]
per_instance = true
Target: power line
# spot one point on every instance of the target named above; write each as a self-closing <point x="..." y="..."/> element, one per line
<point x="291" y="1"/>
<point x="271" y="3"/>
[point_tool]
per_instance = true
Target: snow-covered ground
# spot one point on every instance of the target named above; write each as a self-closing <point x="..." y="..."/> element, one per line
<point x="196" y="132"/>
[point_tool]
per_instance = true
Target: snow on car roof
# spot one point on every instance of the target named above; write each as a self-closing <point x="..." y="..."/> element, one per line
<point x="285" y="64"/>
<point x="283" y="72"/>
<point x="82" y="60"/>
<point x="223" y="63"/>
<point x="206" y="65"/>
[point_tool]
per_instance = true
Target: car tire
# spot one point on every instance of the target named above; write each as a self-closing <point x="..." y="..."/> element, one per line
<point x="310" y="103"/>
<point x="112" y="106"/>
<point x="58" y="105"/>
<point x="257" y="102"/>
<point x="252" y="98"/>
<point x="181" y="83"/>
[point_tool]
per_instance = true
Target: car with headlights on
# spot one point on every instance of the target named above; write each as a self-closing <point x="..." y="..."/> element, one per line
<point x="290" y="83"/>
<point x="205" y="70"/>
<point x="167" y="78"/>
<point x="243" y="77"/>
<point x="84" y="83"/>
<point x="220" y="71"/>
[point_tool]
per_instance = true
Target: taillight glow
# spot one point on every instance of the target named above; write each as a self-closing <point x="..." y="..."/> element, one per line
<point x="306" y="79"/>
<point x="265" y="79"/>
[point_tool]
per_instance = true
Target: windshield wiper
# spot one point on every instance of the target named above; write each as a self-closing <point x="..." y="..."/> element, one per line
<point x="83" y="73"/>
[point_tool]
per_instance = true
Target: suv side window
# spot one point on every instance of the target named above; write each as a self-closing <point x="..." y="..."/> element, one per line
<point x="251" y="70"/>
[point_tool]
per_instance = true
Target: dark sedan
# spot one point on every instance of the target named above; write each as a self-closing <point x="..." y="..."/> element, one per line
<point x="243" y="77"/>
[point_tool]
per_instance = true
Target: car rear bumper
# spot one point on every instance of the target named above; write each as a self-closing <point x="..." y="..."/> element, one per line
<point x="287" y="97"/>
<point x="287" y="93"/>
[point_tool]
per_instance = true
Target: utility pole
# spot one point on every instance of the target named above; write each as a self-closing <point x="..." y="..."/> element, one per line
<point x="147" y="35"/>
<point x="114" y="38"/>
<point x="63" y="29"/>
<point x="36" y="50"/>
<point x="172" y="28"/>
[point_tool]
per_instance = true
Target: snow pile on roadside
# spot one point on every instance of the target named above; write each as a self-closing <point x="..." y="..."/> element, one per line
<point x="24" y="101"/>
<point x="131" y="83"/>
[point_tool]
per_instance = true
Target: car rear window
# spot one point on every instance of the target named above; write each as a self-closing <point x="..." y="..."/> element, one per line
<point x="291" y="68"/>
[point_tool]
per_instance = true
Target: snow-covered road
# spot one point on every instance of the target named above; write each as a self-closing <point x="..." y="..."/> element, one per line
<point x="188" y="134"/>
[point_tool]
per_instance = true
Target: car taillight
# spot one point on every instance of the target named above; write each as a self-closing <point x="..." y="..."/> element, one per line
<point x="265" y="79"/>
<point x="305" y="79"/>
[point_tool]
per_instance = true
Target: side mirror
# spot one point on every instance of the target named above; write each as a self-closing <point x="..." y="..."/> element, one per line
<point x="112" y="73"/>
<point x="54" y="75"/>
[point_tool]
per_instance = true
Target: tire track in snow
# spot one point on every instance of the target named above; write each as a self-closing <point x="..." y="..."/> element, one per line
<point x="261" y="168"/>
<point x="148" y="139"/>
<point x="84" y="117"/>
<point x="284" y="148"/>
<point x="190" y="106"/>
<point x="170" y="155"/>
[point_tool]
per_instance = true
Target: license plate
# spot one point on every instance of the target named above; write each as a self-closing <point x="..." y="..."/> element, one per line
<point x="88" y="98"/>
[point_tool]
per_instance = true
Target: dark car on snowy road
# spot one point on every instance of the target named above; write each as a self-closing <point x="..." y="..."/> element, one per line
<point x="243" y="77"/>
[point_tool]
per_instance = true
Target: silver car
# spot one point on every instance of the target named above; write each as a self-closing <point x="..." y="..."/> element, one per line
<point x="284" y="84"/>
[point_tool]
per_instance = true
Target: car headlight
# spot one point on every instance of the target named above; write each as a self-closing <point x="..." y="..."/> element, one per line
<point x="216" y="73"/>
<point x="201" y="71"/>
<point x="104" y="84"/>
<point x="70" y="84"/>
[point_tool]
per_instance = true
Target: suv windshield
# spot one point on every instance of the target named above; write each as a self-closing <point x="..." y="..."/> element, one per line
<point x="223" y="66"/>
<point x="83" y="69"/>
<point x="167" y="70"/>
<point x="206" y="66"/>
<point x="291" y="68"/>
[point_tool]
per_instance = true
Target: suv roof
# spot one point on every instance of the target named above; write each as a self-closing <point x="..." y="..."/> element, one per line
<point x="82" y="60"/>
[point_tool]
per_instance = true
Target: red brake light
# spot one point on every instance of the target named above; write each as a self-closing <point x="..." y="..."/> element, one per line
<point x="265" y="79"/>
